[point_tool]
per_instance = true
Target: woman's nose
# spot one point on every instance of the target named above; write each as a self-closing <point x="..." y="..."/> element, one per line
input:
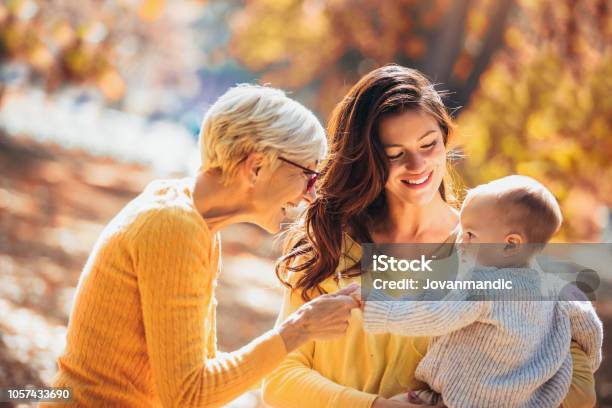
<point x="415" y="163"/>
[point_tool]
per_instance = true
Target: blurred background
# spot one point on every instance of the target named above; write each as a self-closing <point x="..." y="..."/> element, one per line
<point x="98" y="97"/>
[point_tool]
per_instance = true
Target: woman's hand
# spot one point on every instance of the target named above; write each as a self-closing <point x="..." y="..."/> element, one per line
<point x="323" y="318"/>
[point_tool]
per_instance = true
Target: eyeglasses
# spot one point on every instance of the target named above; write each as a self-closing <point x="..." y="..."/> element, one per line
<point x="313" y="175"/>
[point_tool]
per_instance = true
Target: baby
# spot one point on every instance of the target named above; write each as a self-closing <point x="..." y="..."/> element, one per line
<point x="497" y="353"/>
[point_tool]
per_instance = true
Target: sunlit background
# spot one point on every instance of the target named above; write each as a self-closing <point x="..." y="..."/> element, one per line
<point x="99" y="97"/>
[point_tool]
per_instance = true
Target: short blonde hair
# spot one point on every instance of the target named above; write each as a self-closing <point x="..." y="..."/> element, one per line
<point x="252" y="118"/>
<point x="526" y="203"/>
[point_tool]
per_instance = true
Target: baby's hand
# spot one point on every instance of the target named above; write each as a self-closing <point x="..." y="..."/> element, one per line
<point x="413" y="398"/>
<point x="400" y="401"/>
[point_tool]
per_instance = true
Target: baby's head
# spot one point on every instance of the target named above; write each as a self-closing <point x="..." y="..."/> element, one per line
<point x="511" y="210"/>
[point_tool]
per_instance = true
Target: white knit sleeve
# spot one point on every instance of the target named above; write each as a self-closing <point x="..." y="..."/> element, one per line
<point x="422" y="318"/>
<point x="587" y="329"/>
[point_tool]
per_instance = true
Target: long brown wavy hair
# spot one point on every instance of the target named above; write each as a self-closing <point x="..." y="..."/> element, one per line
<point x="351" y="188"/>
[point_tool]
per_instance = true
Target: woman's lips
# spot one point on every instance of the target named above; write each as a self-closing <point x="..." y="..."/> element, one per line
<point x="420" y="185"/>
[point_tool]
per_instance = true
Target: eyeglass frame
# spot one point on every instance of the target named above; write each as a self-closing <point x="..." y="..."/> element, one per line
<point x="314" y="175"/>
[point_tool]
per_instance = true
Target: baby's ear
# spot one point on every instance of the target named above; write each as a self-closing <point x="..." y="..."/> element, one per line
<point x="513" y="241"/>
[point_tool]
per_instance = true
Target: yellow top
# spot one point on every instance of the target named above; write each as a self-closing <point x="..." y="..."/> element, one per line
<point x="354" y="370"/>
<point x="142" y="329"/>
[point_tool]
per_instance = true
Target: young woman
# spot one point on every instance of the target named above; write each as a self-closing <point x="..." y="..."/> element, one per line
<point x="386" y="181"/>
<point x="142" y="330"/>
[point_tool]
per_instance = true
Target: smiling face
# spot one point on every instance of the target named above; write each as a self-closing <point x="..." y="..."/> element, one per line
<point x="414" y="145"/>
<point x="278" y="189"/>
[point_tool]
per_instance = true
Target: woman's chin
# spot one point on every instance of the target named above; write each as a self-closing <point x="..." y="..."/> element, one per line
<point x="419" y="198"/>
<point x="269" y="227"/>
<point x="273" y="230"/>
<point x="273" y="223"/>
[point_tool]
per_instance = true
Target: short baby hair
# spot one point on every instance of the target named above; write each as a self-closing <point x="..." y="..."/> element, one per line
<point x="525" y="203"/>
<point x="253" y="118"/>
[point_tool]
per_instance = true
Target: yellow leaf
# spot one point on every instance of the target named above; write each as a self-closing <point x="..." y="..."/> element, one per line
<point x="151" y="10"/>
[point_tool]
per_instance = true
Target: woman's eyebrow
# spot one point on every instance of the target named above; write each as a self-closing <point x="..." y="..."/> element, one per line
<point x="428" y="133"/>
<point x="422" y="136"/>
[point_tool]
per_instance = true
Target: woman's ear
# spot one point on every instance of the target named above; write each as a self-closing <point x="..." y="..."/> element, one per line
<point x="252" y="166"/>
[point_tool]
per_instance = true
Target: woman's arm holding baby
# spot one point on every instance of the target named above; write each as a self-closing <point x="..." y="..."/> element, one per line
<point x="587" y="332"/>
<point x="582" y="389"/>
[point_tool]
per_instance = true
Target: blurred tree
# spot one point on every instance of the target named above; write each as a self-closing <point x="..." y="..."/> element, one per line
<point x="327" y="46"/>
<point x="543" y="109"/>
<point x="110" y="45"/>
<point x="536" y="73"/>
<point x="56" y="47"/>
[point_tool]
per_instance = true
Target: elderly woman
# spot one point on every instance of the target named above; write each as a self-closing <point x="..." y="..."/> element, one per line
<point x="142" y="330"/>
<point x="386" y="181"/>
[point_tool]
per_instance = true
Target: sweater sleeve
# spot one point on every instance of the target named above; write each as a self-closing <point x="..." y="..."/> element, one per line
<point x="587" y="330"/>
<point x="296" y="384"/>
<point x="172" y="257"/>
<point x="421" y="318"/>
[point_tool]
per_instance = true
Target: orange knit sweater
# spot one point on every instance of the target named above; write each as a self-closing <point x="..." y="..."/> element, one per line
<point x="142" y="329"/>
